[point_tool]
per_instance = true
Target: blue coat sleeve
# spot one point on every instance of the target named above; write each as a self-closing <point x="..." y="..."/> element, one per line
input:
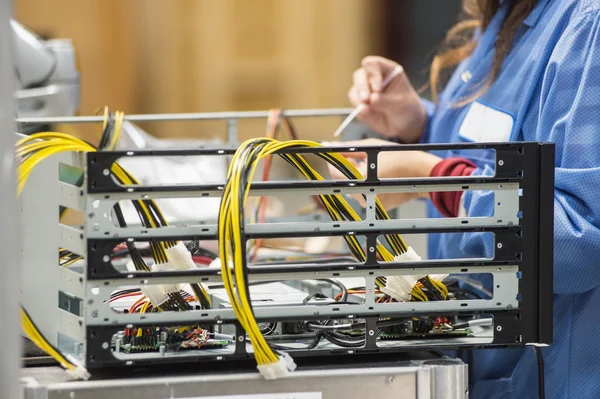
<point x="568" y="114"/>
<point x="430" y="110"/>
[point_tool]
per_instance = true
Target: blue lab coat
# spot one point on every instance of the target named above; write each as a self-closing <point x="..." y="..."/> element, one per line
<point x="548" y="90"/>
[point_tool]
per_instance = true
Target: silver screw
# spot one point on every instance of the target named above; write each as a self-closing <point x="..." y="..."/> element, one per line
<point x="106" y="172"/>
<point x="372" y="166"/>
<point x="105" y="259"/>
<point x="371" y="249"/>
<point x="499" y="245"/>
<point x="241" y="338"/>
<point x="371" y="333"/>
<point x="389" y="380"/>
<point x="499" y="328"/>
<point x="104" y="345"/>
<point x="500" y="162"/>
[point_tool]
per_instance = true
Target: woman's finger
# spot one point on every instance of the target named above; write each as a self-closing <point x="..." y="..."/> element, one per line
<point x="377" y="68"/>
<point x="361" y="82"/>
<point x="354" y="97"/>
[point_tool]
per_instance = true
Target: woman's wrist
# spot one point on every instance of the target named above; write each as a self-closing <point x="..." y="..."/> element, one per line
<point x="411" y="130"/>
<point x="427" y="165"/>
<point x="448" y="202"/>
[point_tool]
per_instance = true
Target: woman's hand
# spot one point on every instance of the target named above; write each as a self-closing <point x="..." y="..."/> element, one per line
<point x="395" y="111"/>
<point x="395" y="164"/>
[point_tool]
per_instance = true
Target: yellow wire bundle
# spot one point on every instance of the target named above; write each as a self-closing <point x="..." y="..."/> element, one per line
<point x="32" y="150"/>
<point x="231" y="241"/>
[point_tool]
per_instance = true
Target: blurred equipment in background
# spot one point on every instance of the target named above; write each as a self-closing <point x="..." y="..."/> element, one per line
<point x="47" y="76"/>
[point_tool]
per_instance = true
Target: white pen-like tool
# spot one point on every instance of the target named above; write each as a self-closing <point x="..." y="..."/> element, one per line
<point x="397" y="71"/>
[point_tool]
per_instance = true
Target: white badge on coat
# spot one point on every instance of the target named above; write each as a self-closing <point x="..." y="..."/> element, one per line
<point x="484" y="124"/>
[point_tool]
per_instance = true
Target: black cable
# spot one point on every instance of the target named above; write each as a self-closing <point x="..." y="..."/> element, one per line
<point x="196" y="250"/>
<point x="432" y="293"/>
<point x="540" y="364"/>
<point x="392" y="322"/>
<point x="338" y="339"/>
<point x="138" y="261"/>
<point x="107" y="132"/>
<point x="341" y="286"/>
<point x="354" y="326"/>
<point x="310" y="346"/>
<point x="465" y="291"/>
<point x="313" y="296"/>
<point x="123" y="292"/>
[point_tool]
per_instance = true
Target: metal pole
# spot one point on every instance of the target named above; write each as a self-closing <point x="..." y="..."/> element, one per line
<point x="205" y="116"/>
<point x="10" y="347"/>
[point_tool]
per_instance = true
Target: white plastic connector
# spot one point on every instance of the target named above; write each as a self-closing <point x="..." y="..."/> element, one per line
<point x="399" y="287"/>
<point x="279" y="369"/>
<point x="180" y="257"/>
<point x="80" y="372"/>
<point x="157" y="294"/>
<point x="409" y="256"/>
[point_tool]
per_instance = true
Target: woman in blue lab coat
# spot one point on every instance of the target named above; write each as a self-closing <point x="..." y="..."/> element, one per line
<point x="528" y="70"/>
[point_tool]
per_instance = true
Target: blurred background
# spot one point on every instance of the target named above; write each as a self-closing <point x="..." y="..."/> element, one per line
<point x="144" y="56"/>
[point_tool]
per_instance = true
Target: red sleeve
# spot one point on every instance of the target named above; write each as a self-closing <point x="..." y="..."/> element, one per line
<point x="447" y="202"/>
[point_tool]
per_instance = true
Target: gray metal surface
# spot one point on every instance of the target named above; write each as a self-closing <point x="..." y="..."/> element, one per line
<point x="505" y="211"/>
<point x="9" y="230"/>
<point x="296" y="113"/>
<point x="41" y="240"/>
<point x="97" y="312"/>
<point x="420" y="379"/>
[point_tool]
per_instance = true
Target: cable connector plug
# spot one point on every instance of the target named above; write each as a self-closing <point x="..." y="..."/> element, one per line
<point x="80" y="372"/>
<point x="279" y="369"/>
<point x="180" y="257"/>
<point x="399" y="287"/>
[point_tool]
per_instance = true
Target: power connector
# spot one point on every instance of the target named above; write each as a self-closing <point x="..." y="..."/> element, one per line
<point x="400" y="287"/>
<point x="279" y="369"/>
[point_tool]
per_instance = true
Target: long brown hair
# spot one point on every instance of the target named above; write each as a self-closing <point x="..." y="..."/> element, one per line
<point x="459" y="43"/>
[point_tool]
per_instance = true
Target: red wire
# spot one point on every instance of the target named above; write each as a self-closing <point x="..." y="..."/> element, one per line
<point x="136" y="305"/>
<point x="125" y="296"/>
<point x="203" y="260"/>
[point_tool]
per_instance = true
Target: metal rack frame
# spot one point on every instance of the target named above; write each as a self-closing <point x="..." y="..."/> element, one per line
<point x="522" y="263"/>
